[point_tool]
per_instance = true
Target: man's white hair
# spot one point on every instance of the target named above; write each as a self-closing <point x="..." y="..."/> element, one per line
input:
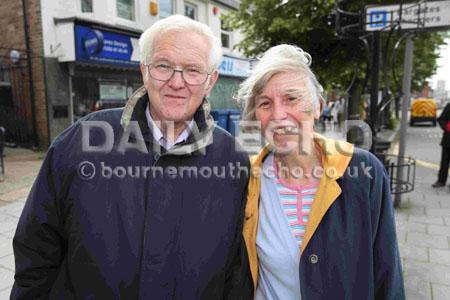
<point x="280" y="59"/>
<point x="183" y="24"/>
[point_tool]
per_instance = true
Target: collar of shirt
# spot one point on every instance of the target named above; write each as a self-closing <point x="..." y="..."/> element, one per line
<point x="157" y="134"/>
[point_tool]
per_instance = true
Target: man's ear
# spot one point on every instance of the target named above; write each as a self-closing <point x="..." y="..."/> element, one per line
<point x="212" y="80"/>
<point x="143" y="70"/>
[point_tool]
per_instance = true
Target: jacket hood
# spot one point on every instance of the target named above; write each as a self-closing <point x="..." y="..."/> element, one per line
<point x="201" y="134"/>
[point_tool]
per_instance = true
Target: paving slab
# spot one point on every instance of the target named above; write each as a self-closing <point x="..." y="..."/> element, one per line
<point x="14" y="209"/>
<point x="438" y="230"/>
<point x="5" y="246"/>
<point x="428" y="272"/>
<point x="413" y="252"/>
<point x="447" y="221"/>
<point x="444" y="204"/>
<point x="443" y="212"/>
<point x="416" y="288"/>
<point x="427" y="240"/>
<point x="7" y="223"/>
<point x="411" y="226"/>
<point x="427" y="219"/>
<point x="7" y="262"/>
<point x="6" y="278"/>
<point x="5" y="293"/>
<point x="9" y="234"/>
<point x="440" y="256"/>
<point x="440" y="292"/>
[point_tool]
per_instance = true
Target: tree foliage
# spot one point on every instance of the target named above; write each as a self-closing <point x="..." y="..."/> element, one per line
<point x="306" y="23"/>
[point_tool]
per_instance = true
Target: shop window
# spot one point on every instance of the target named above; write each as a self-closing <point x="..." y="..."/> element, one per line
<point x="125" y="9"/>
<point x="110" y="91"/>
<point x="4" y="77"/>
<point x="225" y="35"/>
<point x="190" y="10"/>
<point x="86" y="6"/>
<point x="165" y="8"/>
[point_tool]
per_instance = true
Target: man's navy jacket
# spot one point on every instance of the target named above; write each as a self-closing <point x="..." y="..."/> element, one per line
<point x="102" y="225"/>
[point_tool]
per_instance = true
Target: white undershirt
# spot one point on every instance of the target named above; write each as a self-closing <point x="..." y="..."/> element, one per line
<point x="158" y="135"/>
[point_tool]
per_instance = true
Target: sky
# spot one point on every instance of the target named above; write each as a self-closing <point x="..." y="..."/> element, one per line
<point x="443" y="70"/>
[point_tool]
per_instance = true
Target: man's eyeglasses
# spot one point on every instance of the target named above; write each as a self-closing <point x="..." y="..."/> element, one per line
<point x="191" y="75"/>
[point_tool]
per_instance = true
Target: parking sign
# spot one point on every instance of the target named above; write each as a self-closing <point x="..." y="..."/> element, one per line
<point x="378" y="18"/>
<point x="429" y="15"/>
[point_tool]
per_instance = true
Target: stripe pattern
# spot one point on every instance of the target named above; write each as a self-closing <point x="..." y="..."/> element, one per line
<point x="296" y="203"/>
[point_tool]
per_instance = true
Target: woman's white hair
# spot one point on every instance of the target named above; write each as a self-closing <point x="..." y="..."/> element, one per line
<point x="280" y="59"/>
<point x="183" y="24"/>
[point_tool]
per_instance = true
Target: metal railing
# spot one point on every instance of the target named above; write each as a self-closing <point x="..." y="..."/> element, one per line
<point x="393" y="163"/>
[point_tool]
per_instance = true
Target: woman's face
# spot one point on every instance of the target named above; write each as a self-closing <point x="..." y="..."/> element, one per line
<point x="286" y="113"/>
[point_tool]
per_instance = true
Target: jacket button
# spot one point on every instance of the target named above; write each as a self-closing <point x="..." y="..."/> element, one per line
<point x="313" y="258"/>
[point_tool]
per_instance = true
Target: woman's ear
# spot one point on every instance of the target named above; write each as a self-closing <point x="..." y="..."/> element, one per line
<point x="319" y="107"/>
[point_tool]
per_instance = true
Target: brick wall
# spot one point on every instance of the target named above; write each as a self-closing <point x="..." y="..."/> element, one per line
<point x="13" y="37"/>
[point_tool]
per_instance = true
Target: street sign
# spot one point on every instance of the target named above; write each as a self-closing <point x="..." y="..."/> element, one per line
<point x="430" y="15"/>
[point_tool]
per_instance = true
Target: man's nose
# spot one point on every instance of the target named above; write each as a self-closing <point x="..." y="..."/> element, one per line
<point x="177" y="80"/>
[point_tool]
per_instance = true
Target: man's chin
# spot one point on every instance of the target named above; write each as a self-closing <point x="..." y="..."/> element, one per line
<point x="177" y="118"/>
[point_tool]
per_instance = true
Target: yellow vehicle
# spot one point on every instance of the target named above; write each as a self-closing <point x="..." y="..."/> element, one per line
<point x="423" y="110"/>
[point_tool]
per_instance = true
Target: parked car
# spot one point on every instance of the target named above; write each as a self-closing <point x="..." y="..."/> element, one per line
<point x="423" y="110"/>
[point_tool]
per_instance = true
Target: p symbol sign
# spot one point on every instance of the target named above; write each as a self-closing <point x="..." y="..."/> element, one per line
<point x="378" y="18"/>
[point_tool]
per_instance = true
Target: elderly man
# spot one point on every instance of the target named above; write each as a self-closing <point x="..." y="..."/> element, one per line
<point x="144" y="202"/>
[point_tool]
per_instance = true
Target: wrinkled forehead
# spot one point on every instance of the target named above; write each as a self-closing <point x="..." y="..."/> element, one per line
<point x="285" y="84"/>
<point x="181" y="44"/>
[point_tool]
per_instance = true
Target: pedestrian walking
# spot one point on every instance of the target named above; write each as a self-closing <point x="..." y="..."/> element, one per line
<point x="444" y="123"/>
<point x="326" y="117"/>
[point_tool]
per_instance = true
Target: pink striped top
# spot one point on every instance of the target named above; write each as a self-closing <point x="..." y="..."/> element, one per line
<point x="296" y="202"/>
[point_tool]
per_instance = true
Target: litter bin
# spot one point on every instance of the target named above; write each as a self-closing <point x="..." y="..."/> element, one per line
<point x="221" y="117"/>
<point x="234" y="116"/>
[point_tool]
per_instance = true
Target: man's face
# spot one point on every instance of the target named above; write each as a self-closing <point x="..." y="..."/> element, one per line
<point x="175" y="100"/>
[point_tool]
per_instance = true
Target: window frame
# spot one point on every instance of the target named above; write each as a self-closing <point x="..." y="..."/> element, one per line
<point x="87" y="12"/>
<point x="195" y="8"/>
<point x="133" y="12"/>
<point x="225" y="32"/>
<point x="163" y="14"/>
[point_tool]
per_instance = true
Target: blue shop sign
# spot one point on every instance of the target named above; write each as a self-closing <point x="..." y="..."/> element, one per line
<point x="234" y="67"/>
<point x="101" y="46"/>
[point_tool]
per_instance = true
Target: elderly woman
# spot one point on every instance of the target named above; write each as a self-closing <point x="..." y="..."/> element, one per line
<point x="319" y="219"/>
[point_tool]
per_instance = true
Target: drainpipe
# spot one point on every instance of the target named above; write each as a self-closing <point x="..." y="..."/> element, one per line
<point x="30" y="73"/>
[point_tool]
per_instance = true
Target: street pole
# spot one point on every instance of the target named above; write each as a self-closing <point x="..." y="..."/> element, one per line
<point x="30" y="74"/>
<point x="376" y="48"/>
<point x="407" y="74"/>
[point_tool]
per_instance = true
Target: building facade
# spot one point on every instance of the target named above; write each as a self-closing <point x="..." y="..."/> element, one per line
<point x="86" y="56"/>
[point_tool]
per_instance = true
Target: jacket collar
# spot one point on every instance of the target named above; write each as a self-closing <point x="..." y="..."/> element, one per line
<point x="336" y="156"/>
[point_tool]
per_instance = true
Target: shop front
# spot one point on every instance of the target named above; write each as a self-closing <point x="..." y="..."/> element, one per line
<point x="102" y="72"/>
<point x="232" y="71"/>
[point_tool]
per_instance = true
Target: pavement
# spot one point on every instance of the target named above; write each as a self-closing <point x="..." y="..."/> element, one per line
<point x="21" y="168"/>
<point x="422" y="223"/>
